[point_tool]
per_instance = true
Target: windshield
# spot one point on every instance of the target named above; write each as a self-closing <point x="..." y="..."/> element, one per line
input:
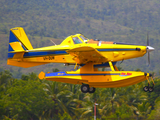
<point x="76" y="40"/>
<point x="83" y="38"/>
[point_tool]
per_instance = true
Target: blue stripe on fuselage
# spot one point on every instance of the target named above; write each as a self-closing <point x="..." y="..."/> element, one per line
<point x="45" y="53"/>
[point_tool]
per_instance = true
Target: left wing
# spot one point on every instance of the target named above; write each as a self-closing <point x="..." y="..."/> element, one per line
<point x="86" y="54"/>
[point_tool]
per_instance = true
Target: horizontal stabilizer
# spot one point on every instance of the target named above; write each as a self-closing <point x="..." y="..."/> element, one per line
<point x="17" y="47"/>
<point x="23" y="63"/>
<point x="18" y="55"/>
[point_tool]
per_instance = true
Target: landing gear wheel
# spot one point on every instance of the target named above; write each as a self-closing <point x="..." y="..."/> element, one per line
<point x="151" y="89"/>
<point x="85" y="88"/>
<point x="146" y="88"/>
<point x="92" y="90"/>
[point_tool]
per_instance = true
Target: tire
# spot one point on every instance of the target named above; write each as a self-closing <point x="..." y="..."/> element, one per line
<point x="151" y="89"/>
<point x="92" y="90"/>
<point x="146" y="88"/>
<point x="85" y="88"/>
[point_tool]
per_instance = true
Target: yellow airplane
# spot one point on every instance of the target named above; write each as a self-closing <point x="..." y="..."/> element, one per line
<point x="80" y="51"/>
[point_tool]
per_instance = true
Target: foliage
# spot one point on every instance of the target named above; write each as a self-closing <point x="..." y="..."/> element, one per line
<point x="26" y="99"/>
<point x="155" y="113"/>
<point x="31" y="98"/>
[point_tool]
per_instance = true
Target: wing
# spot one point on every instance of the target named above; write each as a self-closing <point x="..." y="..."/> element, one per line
<point x="86" y="54"/>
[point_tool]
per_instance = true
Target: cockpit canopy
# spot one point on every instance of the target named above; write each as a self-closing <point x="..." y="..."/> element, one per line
<point x="84" y="38"/>
<point x="75" y="39"/>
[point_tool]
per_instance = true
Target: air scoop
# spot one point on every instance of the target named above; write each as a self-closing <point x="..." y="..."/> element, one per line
<point x="149" y="49"/>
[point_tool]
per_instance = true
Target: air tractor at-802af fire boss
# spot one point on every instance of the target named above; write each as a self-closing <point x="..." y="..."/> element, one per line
<point x="87" y="56"/>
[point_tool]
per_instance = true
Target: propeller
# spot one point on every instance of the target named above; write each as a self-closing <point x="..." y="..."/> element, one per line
<point x="149" y="49"/>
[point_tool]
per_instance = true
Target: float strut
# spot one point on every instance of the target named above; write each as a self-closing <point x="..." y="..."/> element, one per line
<point x="111" y="66"/>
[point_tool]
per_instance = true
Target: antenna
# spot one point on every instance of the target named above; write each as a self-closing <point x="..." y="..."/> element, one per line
<point x="52" y="41"/>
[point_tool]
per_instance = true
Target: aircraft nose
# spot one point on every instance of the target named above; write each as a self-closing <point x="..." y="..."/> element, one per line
<point x="149" y="49"/>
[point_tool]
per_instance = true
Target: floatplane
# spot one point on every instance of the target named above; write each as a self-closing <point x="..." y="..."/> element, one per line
<point x="87" y="56"/>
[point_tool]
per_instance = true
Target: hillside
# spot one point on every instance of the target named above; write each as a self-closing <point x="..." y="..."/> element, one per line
<point x="111" y="20"/>
<point x="94" y="18"/>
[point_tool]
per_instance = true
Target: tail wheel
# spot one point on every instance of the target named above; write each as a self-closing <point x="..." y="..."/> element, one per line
<point x="146" y="88"/>
<point x="92" y="90"/>
<point x="85" y="88"/>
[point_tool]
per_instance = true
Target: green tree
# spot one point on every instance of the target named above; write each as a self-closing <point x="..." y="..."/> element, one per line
<point x="144" y="109"/>
<point x="5" y="76"/>
<point x="59" y="94"/>
<point x="155" y="113"/>
<point x="26" y="100"/>
<point x="88" y="107"/>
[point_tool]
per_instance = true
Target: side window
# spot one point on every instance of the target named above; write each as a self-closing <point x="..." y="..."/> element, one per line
<point x="76" y="40"/>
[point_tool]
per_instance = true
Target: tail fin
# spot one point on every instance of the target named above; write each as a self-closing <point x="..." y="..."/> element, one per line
<point x="18" y="35"/>
<point x="18" y="46"/>
<point x="18" y="42"/>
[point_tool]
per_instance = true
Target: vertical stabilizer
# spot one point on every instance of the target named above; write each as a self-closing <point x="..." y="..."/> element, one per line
<point x="18" y="43"/>
<point x="18" y="35"/>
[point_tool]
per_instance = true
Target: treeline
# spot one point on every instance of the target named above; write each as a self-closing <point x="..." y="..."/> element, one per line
<point x="31" y="98"/>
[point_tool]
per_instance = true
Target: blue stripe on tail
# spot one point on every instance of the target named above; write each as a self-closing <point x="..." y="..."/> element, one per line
<point x="12" y="38"/>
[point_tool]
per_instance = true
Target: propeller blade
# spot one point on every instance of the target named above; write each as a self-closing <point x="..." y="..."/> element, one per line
<point x="148" y="58"/>
<point x="149" y="49"/>
<point x="147" y="39"/>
